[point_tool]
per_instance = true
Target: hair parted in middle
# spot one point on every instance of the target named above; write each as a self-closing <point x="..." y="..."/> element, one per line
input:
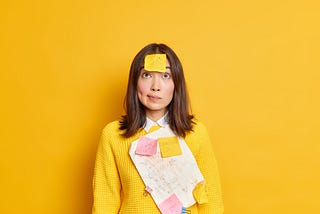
<point x="179" y="119"/>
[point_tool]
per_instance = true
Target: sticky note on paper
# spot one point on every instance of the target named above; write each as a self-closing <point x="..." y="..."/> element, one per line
<point x="171" y="205"/>
<point x="146" y="146"/>
<point x="169" y="146"/>
<point x="155" y="62"/>
<point x="199" y="193"/>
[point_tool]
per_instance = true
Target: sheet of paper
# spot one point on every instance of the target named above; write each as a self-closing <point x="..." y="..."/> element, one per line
<point x="177" y="175"/>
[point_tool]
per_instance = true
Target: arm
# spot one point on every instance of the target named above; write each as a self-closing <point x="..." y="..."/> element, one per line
<point x="106" y="181"/>
<point x="208" y="166"/>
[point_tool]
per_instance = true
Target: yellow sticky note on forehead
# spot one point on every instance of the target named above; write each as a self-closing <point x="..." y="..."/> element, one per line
<point x="155" y="62"/>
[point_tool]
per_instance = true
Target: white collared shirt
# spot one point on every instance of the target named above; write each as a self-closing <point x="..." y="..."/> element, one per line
<point x="163" y="122"/>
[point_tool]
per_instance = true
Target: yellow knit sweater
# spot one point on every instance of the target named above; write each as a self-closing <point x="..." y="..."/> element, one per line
<point x="118" y="187"/>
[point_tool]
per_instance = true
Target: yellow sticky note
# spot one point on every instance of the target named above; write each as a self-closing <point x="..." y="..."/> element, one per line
<point x="199" y="193"/>
<point x="155" y="62"/>
<point x="169" y="146"/>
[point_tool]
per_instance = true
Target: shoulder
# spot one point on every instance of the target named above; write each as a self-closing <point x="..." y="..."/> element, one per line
<point x="199" y="133"/>
<point x="197" y="137"/>
<point x="112" y="130"/>
<point x="198" y="128"/>
<point x="114" y="125"/>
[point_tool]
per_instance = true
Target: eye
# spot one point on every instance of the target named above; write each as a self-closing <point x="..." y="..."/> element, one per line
<point x="146" y="75"/>
<point x="166" y="76"/>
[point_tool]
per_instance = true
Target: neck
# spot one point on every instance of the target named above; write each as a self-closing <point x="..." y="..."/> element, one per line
<point x="155" y="116"/>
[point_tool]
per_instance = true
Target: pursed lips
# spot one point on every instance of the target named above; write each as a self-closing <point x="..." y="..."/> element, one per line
<point x="154" y="97"/>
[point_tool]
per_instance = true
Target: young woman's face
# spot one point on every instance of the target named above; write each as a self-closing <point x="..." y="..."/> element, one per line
<point x="155" y="92"/>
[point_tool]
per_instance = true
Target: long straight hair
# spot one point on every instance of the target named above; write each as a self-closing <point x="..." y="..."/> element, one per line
<point x="179" y="119"/>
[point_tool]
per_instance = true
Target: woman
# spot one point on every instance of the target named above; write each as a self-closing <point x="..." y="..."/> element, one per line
<point x="157" y="158"/>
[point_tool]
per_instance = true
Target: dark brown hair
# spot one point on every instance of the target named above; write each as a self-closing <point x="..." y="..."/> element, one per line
<point x="179" y="119"/>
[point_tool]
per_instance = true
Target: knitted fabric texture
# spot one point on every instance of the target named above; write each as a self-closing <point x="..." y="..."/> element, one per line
<point x="118" y="187"/>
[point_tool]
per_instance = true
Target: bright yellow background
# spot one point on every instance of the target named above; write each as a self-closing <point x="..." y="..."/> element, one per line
<point x="253" y="73"/>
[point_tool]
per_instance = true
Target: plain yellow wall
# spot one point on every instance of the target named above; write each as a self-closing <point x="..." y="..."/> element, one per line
<point x="253" y="74"/>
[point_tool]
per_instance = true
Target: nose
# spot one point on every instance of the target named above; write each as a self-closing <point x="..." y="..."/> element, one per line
<point x="155" y="86"/>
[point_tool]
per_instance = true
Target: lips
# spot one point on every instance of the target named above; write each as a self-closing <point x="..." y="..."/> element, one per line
<point x="153" y="97"/>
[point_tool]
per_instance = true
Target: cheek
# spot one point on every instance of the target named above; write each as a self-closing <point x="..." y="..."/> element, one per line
<point x="170" y="90"/>
<point x="142" y="88"/>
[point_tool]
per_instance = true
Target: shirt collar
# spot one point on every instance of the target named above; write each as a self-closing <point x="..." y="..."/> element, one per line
<point x="163" y="122"/>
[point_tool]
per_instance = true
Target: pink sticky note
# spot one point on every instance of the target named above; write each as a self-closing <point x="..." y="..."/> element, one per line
<point x="146" y="146"/>
<point x="171" y="205"/>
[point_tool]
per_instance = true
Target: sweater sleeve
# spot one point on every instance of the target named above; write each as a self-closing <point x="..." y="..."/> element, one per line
<point x="208" y="166"/>
<point x="106" y="181"/>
